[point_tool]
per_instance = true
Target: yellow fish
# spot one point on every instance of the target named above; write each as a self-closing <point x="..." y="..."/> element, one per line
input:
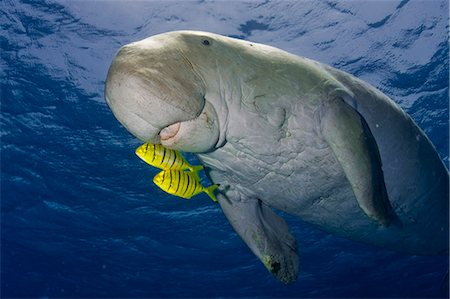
<point x="184" y="184"/>
<point x="160" y="157"/>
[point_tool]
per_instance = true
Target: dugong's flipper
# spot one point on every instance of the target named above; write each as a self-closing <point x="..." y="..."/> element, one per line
<point x="266" y="233"/>
<point x="354" y="146"/>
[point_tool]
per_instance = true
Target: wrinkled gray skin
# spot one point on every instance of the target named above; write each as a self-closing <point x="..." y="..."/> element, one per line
<point x="280" y="131"/>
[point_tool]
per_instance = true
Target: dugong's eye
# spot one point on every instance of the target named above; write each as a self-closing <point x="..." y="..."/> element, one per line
<point x="206" y="42"/>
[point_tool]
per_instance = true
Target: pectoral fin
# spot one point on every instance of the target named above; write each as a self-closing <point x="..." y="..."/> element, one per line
<point x="265" y="233"/>
<point x="354" y="146"/>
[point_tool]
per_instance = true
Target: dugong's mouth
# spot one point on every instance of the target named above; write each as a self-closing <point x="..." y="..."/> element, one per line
<point x="197" y="135"/>
<point x="169" y="132"/>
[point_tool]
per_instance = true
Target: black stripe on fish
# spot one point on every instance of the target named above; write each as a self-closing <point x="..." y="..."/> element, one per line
<point x="178" y="186"/>
<point x="183" y="181"/>
<point x="164" y="161"/>
<point x="164" y="155"/>
<point x="187" y="187"/>
<point x="179" y="162"/>
<point x="154" y="152"/>
<point x="194" y="185"/>
<point x="174" y="159"/>
<point x="171" y="157"/>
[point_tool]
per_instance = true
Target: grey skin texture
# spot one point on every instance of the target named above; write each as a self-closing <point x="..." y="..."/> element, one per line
<point x="276" y="130"/>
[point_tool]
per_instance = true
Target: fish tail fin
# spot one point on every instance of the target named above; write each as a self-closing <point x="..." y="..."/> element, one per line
<point x="210" y="191"/>
<point x="195" y="168"/>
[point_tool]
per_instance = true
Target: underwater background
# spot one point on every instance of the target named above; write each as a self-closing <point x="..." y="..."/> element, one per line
<point x="80" y="216"/>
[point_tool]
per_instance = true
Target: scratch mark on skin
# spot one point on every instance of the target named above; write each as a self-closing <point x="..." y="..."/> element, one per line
<point x="191" y="66"/>
<point x="187" y="62"/>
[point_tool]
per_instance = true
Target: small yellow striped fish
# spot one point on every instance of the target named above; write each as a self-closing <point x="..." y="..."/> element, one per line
<point x="160" y="157"/>
<point x="184" y="184"/>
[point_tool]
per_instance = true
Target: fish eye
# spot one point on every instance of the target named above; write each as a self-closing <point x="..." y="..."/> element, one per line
<point x="206" y="42"/>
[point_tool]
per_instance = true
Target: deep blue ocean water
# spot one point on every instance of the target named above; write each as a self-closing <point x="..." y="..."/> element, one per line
<point x="80" y="216"/>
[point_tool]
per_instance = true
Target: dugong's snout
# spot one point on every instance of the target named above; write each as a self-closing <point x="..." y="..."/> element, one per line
<point x="157" y="96"/>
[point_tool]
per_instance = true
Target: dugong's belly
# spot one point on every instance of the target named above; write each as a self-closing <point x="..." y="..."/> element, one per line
<point x="302" y="178"/>
<point x="289" y="181"/>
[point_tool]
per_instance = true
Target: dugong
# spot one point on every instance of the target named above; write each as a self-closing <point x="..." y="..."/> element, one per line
<point x="280" y="131"/>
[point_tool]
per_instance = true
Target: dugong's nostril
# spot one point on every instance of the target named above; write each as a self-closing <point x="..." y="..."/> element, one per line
<point x="170" y="131"/>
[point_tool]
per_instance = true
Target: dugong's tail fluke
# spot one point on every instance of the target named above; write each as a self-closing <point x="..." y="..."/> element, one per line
<point x="354" y="146"/>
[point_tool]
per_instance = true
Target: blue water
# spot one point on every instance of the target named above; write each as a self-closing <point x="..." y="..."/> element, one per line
<point x="79" y="214"/>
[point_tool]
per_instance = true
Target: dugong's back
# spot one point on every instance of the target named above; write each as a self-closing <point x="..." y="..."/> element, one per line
<point x="416" y="179"/>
